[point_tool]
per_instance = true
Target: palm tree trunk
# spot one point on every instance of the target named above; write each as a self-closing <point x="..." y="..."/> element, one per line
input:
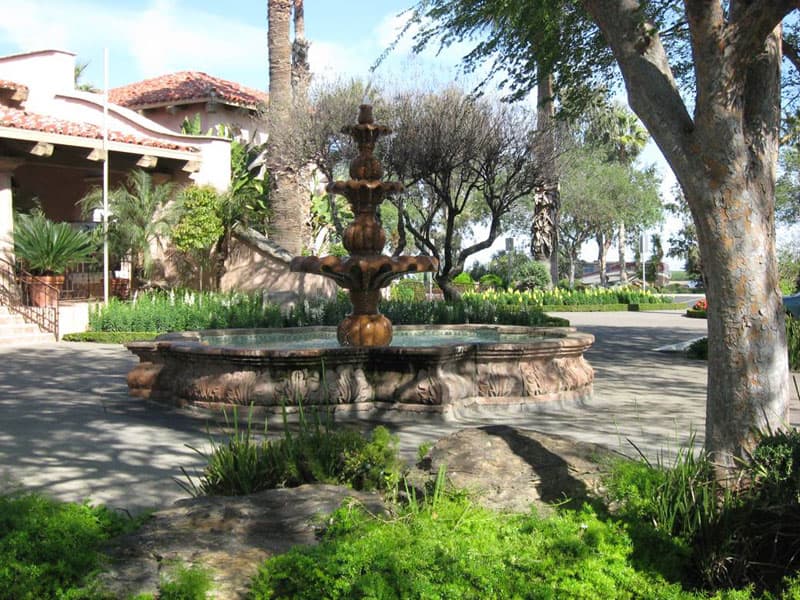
<point x="287" y="218"/>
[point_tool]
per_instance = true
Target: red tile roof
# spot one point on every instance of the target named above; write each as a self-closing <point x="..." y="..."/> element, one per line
<point x="20" y="119"/>
<point x="184" y="87"/>
<point x="5" y="84"/>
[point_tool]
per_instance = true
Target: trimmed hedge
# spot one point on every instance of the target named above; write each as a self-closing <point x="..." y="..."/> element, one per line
<point x="111" y="337"/>
<point x="696" y="314"/>
<point x="585" y="307"/>
<point x="664" y="306"/>
<point x="633" y="307"/>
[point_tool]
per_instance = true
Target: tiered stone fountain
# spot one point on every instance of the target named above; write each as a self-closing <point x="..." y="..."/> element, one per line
<point x="366" y="270"/>
<point x="438" y="369"/>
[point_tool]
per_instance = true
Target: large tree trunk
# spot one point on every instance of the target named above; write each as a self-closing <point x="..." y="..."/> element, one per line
<point x="288" y="218"/>
<point x="731" y="191"/>
<point x="544" y="228"/>
<point x="449" y="290"/>
<point x="725" y="159"/>
<point x="573" y="259"/>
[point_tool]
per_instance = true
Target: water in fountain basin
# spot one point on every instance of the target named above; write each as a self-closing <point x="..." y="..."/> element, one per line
<point x="299" y="340"/>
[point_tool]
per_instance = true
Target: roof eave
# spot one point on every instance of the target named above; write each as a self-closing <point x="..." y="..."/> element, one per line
<point x="95" y="143"/>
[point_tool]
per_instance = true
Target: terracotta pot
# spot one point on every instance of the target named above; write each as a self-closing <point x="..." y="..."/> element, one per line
<point x="40" y="289"/>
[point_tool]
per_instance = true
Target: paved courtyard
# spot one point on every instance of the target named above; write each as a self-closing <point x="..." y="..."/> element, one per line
<point x="68" y="427"/>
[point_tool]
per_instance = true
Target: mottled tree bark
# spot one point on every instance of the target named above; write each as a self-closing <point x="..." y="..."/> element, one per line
<point x="724" y="157"/>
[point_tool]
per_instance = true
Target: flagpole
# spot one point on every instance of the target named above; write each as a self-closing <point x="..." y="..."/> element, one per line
<point x="105" y="176"/>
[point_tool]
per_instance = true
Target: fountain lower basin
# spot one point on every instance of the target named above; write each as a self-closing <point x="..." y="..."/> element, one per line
<point x="427" y="369"/>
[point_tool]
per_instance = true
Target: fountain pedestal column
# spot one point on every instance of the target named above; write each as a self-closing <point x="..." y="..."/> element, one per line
<point x="366" y="270"/>
<point x="365" y="326"/>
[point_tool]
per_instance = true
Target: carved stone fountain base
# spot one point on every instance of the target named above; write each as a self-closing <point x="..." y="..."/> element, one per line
<point x="523" y="366"/>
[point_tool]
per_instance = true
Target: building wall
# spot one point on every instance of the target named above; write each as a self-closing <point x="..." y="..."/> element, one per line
<point x="45" y="72"/>
<point x="249" y="270"/>
<point x="242" y="122"/>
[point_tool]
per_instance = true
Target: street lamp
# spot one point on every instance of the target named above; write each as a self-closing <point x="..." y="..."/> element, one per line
<point x="644" y="260"/>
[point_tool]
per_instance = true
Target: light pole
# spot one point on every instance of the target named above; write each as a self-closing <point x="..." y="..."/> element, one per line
<point x="644" y="260"/>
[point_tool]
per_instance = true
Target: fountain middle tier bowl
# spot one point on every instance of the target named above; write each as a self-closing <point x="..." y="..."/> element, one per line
<point x="427" y="369"/>
<point x="362" y="272"/>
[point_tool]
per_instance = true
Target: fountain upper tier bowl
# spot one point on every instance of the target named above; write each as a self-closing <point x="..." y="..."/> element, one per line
<point x="441" y="369"/>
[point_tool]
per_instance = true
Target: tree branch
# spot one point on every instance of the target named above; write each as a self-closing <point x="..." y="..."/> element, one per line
<point x="754" y="22"/>
<point x="707" y="33"/>
<point x="790" y="52"/>
<point x="652" y="89"/>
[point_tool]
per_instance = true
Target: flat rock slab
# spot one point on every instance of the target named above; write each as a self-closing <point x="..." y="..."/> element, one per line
<point x="231" y="536"/>
<point x="511" y="469"/>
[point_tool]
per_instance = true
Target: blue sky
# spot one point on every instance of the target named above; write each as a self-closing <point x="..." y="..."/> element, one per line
<point x="224" y="39"/>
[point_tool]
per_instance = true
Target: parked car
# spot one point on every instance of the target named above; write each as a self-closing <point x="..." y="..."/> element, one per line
<point x="792" y="304"/>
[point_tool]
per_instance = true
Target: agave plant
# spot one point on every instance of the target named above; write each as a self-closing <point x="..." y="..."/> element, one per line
<point x="48" y="248"/>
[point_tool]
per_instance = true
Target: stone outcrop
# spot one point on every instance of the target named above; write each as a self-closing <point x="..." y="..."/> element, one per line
<point x="231" y="536"/>
<point x="512" y="469"/>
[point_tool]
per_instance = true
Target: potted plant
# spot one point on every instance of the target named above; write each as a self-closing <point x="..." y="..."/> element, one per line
<point x="46" y="249"/>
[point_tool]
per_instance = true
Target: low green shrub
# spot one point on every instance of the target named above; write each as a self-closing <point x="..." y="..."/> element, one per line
<point x="793" y="341"/>
<point x="774" y="467"/>
<point x="490" y="280"/>
<point x="532" y="276"/>
<point x="50" y="549"/>
<point x="463" y="278"/>
<point x="696" y="314"/>
<point x="185" y="583"/>
<point x="698" y="349"/>
<point x="741" y="536"/>
<point x="636" y="307"/>
<point x="585" y="307"/>
<point x="451" y="548"/>
<point x="315" y="453"/>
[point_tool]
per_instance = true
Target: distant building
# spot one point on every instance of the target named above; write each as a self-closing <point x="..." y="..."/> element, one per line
<point x="591" y="273"/>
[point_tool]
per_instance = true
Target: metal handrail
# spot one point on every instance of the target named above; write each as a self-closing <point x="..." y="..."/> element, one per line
<point x="15" y="294"/>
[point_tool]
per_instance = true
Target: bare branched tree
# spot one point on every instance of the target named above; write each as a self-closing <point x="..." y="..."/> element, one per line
<point x="465" y="163"/>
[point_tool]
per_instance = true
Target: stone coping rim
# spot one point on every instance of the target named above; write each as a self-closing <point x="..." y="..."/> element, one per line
<point x="190" y="342"/>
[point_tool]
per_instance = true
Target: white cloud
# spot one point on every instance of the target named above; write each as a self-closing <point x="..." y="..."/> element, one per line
<point x="167" y="38"/>
<point x="151" y="40"/>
